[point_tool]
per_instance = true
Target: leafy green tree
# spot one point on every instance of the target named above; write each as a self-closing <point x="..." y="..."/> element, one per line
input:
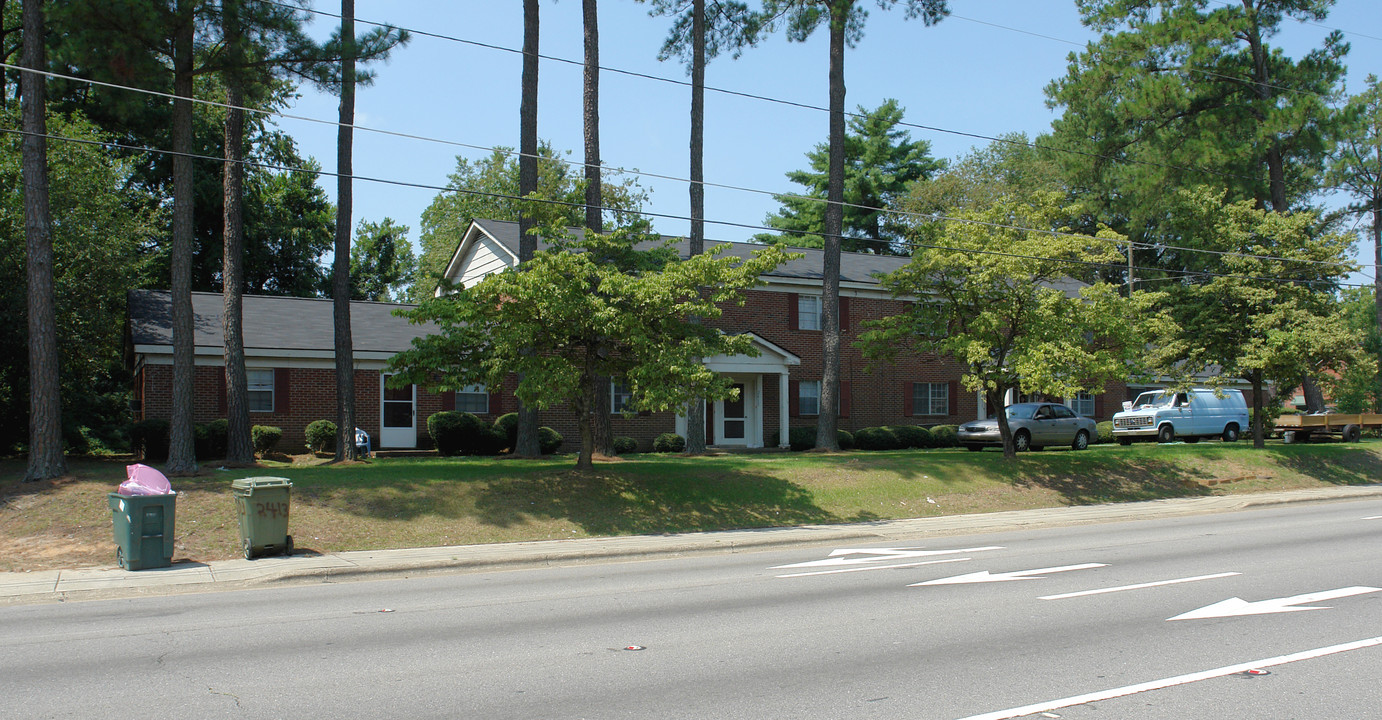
<point x="1178" y="93"/>
<point x="381" y="261"/>
<point x="845" y="20"/>
<point x="1269" y="321"/>
<point x="488" y="189"/>
<point x="1000" y="294"/>
<point x="288" y="222"/>
<point x="100" y="225"/>
<point x="543" y="322"/>
<point x="881" y="162"/>
<point x="1358" y="386"/>
<point x="1356" y="168"/>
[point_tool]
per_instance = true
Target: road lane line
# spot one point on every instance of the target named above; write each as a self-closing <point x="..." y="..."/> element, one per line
<point x="1138" y="586"/>
<point x="874" y="567"/>
<point x="1177" y="680"/>
<point x="1373" y="517"/>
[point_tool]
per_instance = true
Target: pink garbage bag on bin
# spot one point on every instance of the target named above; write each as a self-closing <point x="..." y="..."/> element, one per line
<point x="144" y="480"/>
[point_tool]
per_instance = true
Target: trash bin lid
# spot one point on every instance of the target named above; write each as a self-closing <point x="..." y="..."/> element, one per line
<point x="251" y="483"/>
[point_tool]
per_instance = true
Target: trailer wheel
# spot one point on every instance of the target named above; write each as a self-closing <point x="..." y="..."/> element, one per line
<point x="1352" y="433"/>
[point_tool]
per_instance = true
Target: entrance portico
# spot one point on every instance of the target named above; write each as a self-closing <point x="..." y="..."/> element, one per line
<point x="739" y="422"/>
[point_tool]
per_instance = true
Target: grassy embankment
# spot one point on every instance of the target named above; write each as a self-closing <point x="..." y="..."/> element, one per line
<point x="389" y="503"/>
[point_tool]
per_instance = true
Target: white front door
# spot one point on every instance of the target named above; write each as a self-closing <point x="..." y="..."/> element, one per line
<point x="398" y="415"/>
<point x="736" y="420"/>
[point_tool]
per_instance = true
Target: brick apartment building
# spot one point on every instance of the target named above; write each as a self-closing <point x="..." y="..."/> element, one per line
<point x="289" y="355"/>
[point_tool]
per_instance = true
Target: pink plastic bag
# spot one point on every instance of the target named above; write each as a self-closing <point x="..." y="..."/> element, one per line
<point x="144" y="480"/>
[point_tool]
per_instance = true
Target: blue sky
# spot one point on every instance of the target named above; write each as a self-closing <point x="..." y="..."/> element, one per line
<point x="981" y="71"/>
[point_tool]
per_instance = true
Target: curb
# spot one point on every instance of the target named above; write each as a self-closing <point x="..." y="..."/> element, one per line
<point x="107" y="583"/>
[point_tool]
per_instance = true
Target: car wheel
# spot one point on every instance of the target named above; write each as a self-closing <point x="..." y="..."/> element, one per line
<point x="1022" y="442"/>
<point x="1081" y="441"/>
<point x="974" y="448"/>
<point x="1231" y="433"/>
<point x="1166" y="434"/>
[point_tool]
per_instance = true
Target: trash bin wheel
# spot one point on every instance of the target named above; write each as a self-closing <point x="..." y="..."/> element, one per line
<point x="288" y="545"/>
<point x="249" y="549"/>
<point x="120" y="557"/>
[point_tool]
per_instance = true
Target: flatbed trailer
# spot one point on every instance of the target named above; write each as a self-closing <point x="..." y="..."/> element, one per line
<point x="1348" y="426"/>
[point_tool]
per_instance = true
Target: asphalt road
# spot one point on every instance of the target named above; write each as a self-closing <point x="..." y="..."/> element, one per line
<point x="1083" y="619"/>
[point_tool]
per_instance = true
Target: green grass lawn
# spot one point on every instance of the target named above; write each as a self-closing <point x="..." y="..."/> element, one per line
<point x="396" y="502"/>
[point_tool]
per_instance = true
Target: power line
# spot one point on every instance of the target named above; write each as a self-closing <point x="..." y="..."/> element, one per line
<point x="643" y="213"/>
<point x="931" y="217"/>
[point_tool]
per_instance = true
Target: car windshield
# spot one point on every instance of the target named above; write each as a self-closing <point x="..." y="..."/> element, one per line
<point x="1021" y="412"/>
<point x="1153" y="400"/>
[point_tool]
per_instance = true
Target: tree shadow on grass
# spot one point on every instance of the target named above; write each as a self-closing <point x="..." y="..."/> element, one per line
<point x="609" y="503"/>
<point x="1086" y="481"/>
<point x="1348" y="467"/>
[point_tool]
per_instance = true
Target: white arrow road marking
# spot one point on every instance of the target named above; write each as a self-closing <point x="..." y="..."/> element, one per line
<point x="1238" y="606"/>
<point x="1373" y="517"/>
<point x="985" y="576"/>
<point x="1139" y="586"/>
<point x="878" y="555"/>
<point x="1177" y="680"/>
<point x="874" y="567"/>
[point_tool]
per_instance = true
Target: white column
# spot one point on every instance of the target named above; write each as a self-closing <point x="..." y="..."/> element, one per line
<point x="755" y="438"/>
<point x="782" y="409"/>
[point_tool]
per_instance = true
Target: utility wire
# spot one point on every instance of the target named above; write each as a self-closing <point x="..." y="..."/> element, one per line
<point x="929" y="217"/>
<point x="643" y="213"/>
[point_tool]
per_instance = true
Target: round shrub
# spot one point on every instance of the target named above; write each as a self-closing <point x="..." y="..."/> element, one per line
<point x="493" y="441"/>
<point x="911" y="436"/>
<point x="457" y="433"/>
<point x="669" y="443"/>
<point x="876" y="438"/>
<point x="548" y="440"/>
<point x="625" y="445"/>
<point x="1105" y="431"/>
<point x="508" y="425"/>
<point x="845" y="439"/>
<point x="265" y="438"/>
<point x="321" y="436"/>
<point x="149" y="440"/>
<point x="943" y="436"/>
<point x="804" y="438"/>
<point x="210" y="439"/>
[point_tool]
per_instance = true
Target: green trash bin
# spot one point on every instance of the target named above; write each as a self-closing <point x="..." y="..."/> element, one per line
<point x="143" y="529"/>
<point x="261" y="503"/>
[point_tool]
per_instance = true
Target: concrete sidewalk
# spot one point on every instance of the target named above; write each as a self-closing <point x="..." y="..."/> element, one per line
<point x="112" y="582"/>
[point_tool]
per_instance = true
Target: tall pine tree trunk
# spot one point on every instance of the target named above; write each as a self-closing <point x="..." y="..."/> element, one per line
<point x="46" y="458"/>
<point x="527" y="443"/>
<point x="182" y="451"/>
<point x="826" y="437"/>
<point x="239" y="448"/>
<point x="695" y="412"/>
<point x="340" y="286"/>
<point x="599" y="390"/>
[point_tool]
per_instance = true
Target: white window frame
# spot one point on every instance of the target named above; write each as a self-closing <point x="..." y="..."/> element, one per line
<point x="927" y="403"/>
<point x="814" y="397"/>
<point x="809" y="306"/>
<point x="259" y="389"/>
<point x="465" y="399"/>
<point x="620" y="395"/>
<point x="1081" y="403"/>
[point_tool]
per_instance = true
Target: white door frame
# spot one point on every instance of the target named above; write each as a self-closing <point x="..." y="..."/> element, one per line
<point x="753" y="414"/>
<point x="396" y="437"/>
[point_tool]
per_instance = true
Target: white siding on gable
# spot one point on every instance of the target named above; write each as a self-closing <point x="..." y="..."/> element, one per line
<point x="485" y="257"/>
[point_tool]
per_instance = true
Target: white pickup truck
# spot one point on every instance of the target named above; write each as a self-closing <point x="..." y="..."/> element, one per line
<point x="1187" y="415"/>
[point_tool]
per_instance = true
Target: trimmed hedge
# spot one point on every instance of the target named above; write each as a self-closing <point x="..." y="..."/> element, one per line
<point x="877" y="438"/>
<point x="912" y="436"/>
<point x="265" y="438"/>
<point x="804" y="438"/>
<point x="1104" y="432"/>
<point x="507" y="425"/>
<point x="210" y="439"/>
<point x="669" y="443"/>
<point x="943" y="436"/>
<point x="458" y="433"/>
<point x="625" y="445"/>
<point x="548" y="440"/>
<point x="321" y="436"/>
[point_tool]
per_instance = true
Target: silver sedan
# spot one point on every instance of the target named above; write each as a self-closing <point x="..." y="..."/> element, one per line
<point x="1034" y="426"/>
